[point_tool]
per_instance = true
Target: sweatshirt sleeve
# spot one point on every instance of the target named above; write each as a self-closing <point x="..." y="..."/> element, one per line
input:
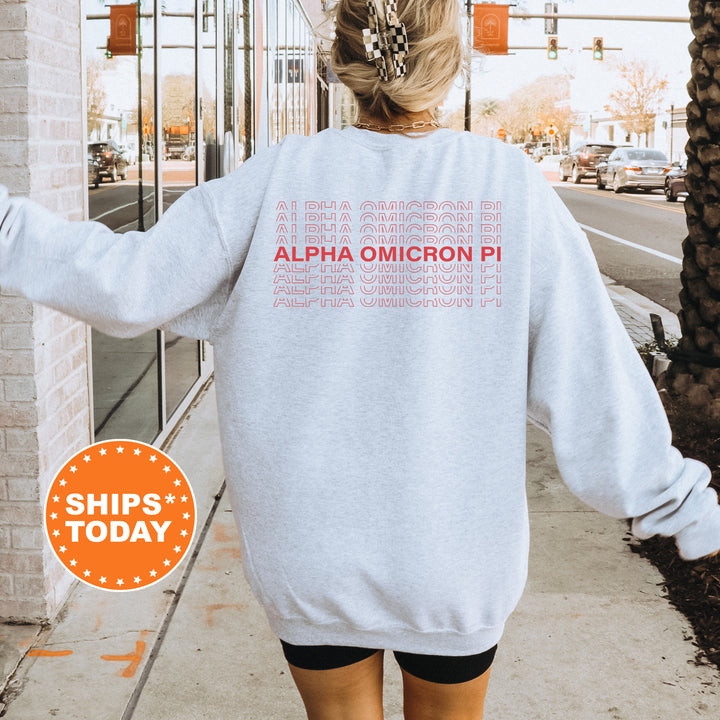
<point x="588" y="388"/>
<point x="122" y="284"/>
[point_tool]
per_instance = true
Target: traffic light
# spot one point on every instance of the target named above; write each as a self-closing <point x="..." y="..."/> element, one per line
<point x="551" y="23"/>
<point x="108" y="51"/>
<point x="552" y="48"/>
<point x="597" y="48"/>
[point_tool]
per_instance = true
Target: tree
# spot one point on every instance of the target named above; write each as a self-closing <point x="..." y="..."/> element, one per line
<point x="96" y="98"/>
<point x="544" y="102"/>
<point x="209" y="112"/>
<point x="483" y="117"/>
<point x="635" y="101"/>
<point x="147" y="120"/>
<point x="695" y="372"/>
<point x="178" y="96"/>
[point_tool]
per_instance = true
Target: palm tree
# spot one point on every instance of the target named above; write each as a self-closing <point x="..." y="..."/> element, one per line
<point x="696" y="370"/>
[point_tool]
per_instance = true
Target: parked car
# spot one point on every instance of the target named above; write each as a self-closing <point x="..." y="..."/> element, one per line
<point x="626" y="168"/>
<point x="540" y="151"/>
<point x="93" y="170"/>
<point x="130" y="152"/>
<point x="113" y="163"/>
<point x="173" y="149"/>
<point x="583" y="160"/>
<point x="675" y="182"/>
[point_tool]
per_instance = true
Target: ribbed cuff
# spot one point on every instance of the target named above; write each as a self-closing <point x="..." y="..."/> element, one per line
<point x="700" y="538"/>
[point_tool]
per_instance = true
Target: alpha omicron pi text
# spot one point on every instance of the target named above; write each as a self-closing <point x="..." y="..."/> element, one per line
<point x="386" y="254"/>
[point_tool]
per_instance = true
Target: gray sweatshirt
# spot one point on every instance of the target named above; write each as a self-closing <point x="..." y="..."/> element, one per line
<point x="386" y="312"/>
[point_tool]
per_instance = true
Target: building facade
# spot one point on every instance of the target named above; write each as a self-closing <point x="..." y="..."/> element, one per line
<point x="117" y="138"/>
<point x="668" y="135"/>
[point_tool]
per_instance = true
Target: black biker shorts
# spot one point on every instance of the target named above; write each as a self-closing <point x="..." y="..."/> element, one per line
<point x="443" y="669"/>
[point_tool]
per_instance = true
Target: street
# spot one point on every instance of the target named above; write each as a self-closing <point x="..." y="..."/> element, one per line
<point x="615" y="223"/>
<point x="116" y="204"/>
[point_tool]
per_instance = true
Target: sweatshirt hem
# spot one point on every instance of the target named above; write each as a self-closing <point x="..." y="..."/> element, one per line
<point x="300" y="632"/>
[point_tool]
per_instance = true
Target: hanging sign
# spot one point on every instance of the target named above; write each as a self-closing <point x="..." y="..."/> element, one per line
<point x="490" y="29"/>
<point x="123" y="30"/>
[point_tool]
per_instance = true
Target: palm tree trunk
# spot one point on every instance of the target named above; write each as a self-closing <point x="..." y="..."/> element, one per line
<point x="696" y="375"/>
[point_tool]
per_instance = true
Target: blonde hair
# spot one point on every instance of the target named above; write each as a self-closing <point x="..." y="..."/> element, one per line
<point x="435" y="58"/>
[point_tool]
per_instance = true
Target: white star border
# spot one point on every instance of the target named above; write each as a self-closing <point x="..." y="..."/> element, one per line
<point x="171" y="473"/>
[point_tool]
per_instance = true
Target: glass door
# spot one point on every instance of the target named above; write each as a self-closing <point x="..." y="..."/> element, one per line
<point x="121" y="195"/>
<point x="179" y="168"/>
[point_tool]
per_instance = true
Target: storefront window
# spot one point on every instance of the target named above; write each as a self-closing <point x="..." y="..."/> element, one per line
<point x="245" y="102"/>
<point x="291" y="56"/>
<point x="208" y="92"/>
<point x="121" y="195"/>
<point x="274" y="65"/>
<point x="179" y="166"/>
<point x="125" y="387"/>
<point x="160" y="121"/>
<point x="229" y="70"/>
<point x="310" y="80"/>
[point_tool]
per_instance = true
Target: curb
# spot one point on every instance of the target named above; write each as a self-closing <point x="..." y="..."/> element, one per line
<point x="640" y="307"/>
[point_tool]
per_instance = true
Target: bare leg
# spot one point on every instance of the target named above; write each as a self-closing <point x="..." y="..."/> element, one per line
<point x="353" y="692"/>
<point x="434" y="701"/>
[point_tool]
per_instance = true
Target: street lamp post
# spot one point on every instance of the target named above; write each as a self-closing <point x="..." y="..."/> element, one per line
<point x="672" y="131"/>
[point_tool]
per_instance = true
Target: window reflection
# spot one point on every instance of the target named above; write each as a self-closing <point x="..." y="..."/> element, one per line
<point x="179" y="136"/>
<point x="125" y="387"/>
<point x="120" y="133"/>
<point x="207" y="87"/>
<point x="208" y="91"/>
<point x="182" y="368"/>
<point x="291" y="60"/>
<point x="245" y="88"/>
<point x="229" y="68"/>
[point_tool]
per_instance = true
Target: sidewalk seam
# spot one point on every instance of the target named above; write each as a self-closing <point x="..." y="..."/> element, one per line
<point x="142" y="680"/>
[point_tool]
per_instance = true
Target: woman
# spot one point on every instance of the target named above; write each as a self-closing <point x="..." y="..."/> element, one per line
<point x="388" y="304"/>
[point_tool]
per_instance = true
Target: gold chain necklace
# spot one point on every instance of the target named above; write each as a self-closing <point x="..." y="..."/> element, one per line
<point x="398" y="128"/>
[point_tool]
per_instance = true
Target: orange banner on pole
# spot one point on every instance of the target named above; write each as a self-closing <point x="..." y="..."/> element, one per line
<point x="123" y="30"/>
<point x="490" y="29"/>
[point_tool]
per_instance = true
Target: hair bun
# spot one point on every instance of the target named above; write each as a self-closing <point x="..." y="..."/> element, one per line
<point x="435" y="56"/>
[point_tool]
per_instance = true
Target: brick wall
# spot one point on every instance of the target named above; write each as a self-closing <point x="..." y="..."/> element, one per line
<point x="44" y="399"/>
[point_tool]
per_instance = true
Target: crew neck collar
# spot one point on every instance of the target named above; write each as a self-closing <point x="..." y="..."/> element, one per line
<point x="377" y="139"/>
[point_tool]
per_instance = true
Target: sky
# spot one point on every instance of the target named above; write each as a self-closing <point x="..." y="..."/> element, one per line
<point x="663" y="45"/>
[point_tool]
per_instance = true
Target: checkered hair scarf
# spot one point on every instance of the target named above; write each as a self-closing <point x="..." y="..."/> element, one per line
<point x="390" y="40"/>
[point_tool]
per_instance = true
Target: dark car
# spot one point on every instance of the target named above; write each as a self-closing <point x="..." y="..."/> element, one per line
<point x="675" y="182"/>
<point x="93" y="171"/>
<point x="582" y="161"/>
<point x="113" y="163"/>
<point x="626" y="168"/>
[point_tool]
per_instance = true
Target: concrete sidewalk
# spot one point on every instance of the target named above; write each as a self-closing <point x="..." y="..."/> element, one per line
<point x="593" y="637"/>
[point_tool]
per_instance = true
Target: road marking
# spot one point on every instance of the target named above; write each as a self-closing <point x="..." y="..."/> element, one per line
<point x="49" y="653"/>
<point x="622" y="241"/>
<point x="663" y="205"/>
<point x="133" y="658"/>
<point x="122" y="207"/>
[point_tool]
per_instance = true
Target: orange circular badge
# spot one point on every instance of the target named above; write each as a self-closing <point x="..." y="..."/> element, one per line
<point x="120" y="515"/>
